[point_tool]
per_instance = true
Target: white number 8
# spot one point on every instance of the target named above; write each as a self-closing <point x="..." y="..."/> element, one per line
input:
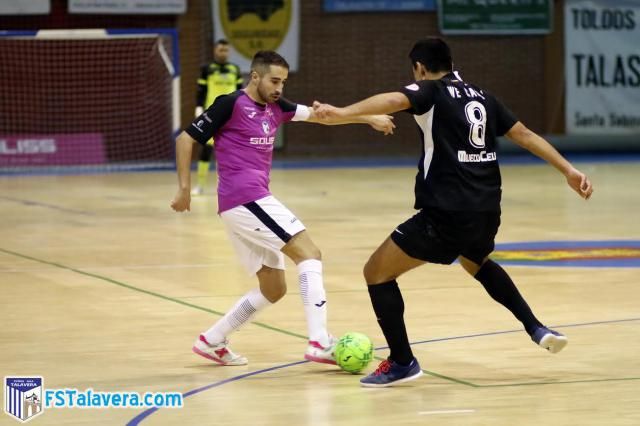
<point x="477" y="118"/>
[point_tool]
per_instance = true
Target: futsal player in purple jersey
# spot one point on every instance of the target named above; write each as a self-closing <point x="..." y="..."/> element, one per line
<point x="261" y="229"/>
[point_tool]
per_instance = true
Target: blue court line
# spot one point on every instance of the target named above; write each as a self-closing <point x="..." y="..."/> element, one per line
<point x="587" y="262"/>
<point x="494" y="333"/>
<point x="504" y="159"/>
<point x="568" y="244"/>
<point x="137" y="419"/>
<point x="326" y="163"/>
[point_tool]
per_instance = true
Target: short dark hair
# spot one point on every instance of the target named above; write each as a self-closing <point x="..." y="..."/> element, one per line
<point x="222" y="41"/>
<point x="264" y="58"/>
<point x="433" y="53"/>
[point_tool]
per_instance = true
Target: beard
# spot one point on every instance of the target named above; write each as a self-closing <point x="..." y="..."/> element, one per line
<point x="267" y="97"/>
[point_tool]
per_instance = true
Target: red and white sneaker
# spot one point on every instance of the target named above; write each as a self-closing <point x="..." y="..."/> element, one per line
<point x="220" y="353"/>
<point x="318" y="353"/>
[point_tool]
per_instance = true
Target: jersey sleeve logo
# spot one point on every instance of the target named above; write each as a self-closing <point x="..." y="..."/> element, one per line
<point x="198" y="125"/>
<point x="414" y="87"/>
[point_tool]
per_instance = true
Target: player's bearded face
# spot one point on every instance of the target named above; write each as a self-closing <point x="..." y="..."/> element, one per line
<point x="271" y="84"/>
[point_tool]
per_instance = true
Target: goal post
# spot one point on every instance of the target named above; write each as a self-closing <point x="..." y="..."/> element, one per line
<point x="98" y="99"/>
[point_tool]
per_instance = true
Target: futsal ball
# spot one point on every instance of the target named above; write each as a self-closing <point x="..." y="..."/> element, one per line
<point x="354" y="352"/>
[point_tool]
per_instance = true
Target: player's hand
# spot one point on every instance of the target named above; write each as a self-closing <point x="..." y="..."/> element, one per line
<point x="580" y="183"/>
<point x="326" y="111"/>
<point x="182" y="200"/>
<point x="382" y="123"/>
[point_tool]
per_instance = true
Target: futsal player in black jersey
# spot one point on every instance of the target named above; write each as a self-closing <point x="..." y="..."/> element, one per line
<point x="457" y="193"/>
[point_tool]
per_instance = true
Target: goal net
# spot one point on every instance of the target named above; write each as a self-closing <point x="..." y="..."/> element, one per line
<point x="88" y="99"/>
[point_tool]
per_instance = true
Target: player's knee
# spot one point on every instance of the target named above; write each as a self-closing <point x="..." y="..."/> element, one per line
<point x="315" y="253"/>
<point x="275" y="292"/>
<point x="469" y="266"/>
<point x="279" y="293"/>
<point x="307" y="253"/>
<point x="376" y="273"/>
<point x="300" y="250"/>
<point x="308" y="250"/>
<point x="371" y="273"/>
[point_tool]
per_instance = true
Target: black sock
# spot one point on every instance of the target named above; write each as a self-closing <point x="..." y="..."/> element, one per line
<point x="500" y="287"/>
<point x="389" y="308"/>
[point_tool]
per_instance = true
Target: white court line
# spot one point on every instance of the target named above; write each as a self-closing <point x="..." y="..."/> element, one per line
<point x="428" y="413"/>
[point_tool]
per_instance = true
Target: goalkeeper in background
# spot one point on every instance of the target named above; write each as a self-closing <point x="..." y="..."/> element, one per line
<point x="217" y="78"/>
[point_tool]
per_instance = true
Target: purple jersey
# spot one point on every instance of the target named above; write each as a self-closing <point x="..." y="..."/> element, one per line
<point x="244" y="132"/>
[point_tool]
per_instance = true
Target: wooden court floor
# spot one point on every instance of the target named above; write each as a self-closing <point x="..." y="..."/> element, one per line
<point x="105" y="287"/>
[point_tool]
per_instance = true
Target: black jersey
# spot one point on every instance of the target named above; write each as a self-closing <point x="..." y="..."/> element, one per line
<point x="458" y="123"/>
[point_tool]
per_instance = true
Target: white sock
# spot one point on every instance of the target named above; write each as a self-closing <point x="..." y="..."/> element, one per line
<point x="245" y="309"/>
<point x="314" y="299"/>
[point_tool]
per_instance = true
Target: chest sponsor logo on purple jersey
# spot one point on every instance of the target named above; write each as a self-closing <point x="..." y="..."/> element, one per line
<point x="264" y="140"/>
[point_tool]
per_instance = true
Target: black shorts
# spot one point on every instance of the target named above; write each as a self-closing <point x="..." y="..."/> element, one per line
<point x="439" y="236"/>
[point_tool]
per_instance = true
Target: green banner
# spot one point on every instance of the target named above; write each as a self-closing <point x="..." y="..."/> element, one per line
<point x="495" y="16"/>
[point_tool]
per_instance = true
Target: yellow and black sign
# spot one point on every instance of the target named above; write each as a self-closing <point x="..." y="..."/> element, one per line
<point x="251" y="25"/>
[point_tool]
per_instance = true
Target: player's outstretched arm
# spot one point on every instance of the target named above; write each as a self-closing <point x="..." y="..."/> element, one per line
<point x="538" y="146"/>
<point x="184" y="148"/>
<point x="380" y="122"/>
<point x="383" y="103"/>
